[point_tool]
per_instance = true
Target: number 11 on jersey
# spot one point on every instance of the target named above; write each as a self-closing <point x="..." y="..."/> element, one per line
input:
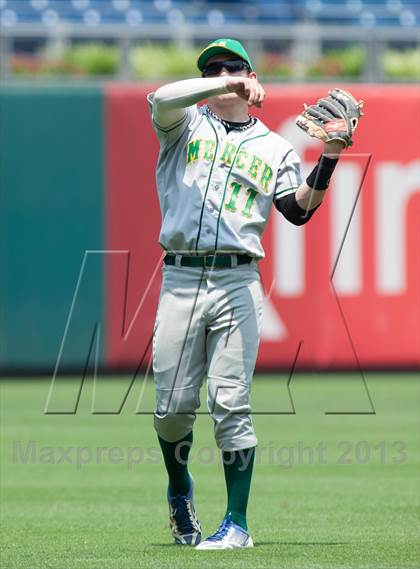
<point x="231" y="205"/>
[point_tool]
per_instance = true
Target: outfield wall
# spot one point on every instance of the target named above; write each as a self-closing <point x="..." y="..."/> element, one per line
<point x="79" y="224"/>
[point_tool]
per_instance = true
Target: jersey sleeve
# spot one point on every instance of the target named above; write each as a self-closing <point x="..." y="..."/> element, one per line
<point x="289" y="177"/>
<point x="172" y="133"/>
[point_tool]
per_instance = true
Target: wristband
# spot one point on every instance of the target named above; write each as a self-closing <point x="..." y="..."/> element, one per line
<point x="320" y="176"/>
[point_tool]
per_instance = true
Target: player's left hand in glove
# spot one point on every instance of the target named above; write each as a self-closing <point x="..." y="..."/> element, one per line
<point x="334" y="117"/>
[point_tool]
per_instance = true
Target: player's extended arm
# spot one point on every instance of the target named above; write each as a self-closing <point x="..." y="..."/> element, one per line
<point x="299" y="207"/>
<point x="306" y="196"/>
<point x="170" y="101"/>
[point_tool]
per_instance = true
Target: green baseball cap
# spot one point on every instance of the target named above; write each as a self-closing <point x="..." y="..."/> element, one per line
<point x="224" y="45"/>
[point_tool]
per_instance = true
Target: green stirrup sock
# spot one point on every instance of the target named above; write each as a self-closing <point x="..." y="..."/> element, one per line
<point x="238" y="466"/>
<point x="176" y="458"/>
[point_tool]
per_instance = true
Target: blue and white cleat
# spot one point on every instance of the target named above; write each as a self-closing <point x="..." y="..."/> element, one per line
<point x="228" y="536"/>
<point x="183" y="521"/>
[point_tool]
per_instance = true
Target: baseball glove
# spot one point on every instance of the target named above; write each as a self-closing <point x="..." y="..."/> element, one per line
<point x="334" y="117"/>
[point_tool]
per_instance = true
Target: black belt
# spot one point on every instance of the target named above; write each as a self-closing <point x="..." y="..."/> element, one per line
<point x="220" y="261"/>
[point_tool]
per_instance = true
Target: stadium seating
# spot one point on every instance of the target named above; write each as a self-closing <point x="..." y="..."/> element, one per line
<point x="92" y="13"/>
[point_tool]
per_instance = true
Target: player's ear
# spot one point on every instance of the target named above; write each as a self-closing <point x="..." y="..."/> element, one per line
<point x="252" y="75"/>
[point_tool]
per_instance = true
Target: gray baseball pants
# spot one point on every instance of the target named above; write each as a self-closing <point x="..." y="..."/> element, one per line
<point x="208" y="323"/>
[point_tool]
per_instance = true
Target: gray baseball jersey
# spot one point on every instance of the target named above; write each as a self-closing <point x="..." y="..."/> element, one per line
<point x="216" y="189"/>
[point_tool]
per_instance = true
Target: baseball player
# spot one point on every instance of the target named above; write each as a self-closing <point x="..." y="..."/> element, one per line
<point x="219" y="172"/>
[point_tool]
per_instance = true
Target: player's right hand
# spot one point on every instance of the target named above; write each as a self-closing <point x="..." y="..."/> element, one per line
<point x="248" y="88"/>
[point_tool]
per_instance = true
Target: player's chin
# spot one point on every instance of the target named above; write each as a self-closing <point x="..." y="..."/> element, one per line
<point x="226" y="98"/>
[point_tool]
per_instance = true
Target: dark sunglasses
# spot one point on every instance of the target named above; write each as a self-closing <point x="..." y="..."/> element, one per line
<point x="231" y="66"/>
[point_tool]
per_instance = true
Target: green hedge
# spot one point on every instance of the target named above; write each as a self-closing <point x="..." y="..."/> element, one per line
<point x="154" y="61"/>
<point x="398" y="64"/>
<point x="346" y="62"/>
<point x="89" y="59"/>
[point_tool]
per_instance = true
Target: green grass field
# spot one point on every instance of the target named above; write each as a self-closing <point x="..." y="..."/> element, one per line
<point x="348" y="499"/>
